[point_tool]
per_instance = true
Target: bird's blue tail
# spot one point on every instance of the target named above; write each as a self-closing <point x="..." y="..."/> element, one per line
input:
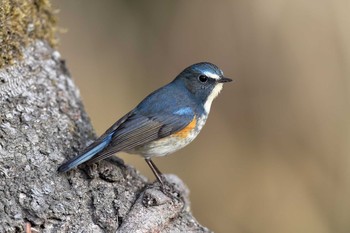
<point x="100" y="144"/>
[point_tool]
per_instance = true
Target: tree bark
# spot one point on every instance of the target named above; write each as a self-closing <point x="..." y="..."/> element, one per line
<point x="42" y="123"/>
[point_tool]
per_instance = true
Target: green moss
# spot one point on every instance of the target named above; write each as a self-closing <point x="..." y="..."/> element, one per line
<point x="21" y="23"/>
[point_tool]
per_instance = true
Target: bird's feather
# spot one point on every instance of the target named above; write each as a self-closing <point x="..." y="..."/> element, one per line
<point x="132" y="130"/>
<point x="138" y="130"/>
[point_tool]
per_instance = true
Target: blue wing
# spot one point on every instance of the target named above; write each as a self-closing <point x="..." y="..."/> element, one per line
<point x="139" y="129"/>
<point x="154" y="118"/>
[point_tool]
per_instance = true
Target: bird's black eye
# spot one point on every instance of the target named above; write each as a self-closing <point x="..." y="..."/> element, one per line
<point x="203" y="78"/>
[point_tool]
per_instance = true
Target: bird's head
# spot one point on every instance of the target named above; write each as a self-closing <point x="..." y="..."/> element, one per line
<point x="204" y="80"/>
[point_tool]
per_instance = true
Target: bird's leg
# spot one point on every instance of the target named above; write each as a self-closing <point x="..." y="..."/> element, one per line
<point x="155" y="170"/>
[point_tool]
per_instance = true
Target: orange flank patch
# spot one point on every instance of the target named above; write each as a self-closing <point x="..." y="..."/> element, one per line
<point x="185" y="131"/>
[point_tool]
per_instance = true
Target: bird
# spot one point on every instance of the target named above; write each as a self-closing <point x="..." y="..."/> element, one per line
<point x="167" y="120"/>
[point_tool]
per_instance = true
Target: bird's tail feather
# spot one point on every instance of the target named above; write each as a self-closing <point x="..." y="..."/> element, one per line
<point x="86" y="155"/>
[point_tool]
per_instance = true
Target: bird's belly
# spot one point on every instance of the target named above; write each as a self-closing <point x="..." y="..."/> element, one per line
<point x="170" y="144"/>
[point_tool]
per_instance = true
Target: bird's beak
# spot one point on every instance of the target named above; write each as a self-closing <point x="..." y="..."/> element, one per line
<point x="224" y="80"/>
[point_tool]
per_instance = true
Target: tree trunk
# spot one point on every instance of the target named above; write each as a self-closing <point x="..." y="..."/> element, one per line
<point x="42" y="123"/>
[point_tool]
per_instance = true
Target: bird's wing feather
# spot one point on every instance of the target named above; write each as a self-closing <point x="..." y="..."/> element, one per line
<point x="139" y="129"/>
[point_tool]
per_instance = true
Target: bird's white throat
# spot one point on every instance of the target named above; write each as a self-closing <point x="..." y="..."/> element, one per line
<point x="214" y="93"/>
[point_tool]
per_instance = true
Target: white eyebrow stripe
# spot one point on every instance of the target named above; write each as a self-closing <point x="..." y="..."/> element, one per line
<point x="211" y="75"/>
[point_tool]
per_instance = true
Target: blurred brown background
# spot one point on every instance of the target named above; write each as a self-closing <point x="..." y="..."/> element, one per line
<point x="274" y="155"/>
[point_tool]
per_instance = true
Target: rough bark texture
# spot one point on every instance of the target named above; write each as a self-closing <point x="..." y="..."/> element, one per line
<point x="43" y="122"/>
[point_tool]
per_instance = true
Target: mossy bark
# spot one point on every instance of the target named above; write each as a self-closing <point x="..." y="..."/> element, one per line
<point x="21" y="23"/>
